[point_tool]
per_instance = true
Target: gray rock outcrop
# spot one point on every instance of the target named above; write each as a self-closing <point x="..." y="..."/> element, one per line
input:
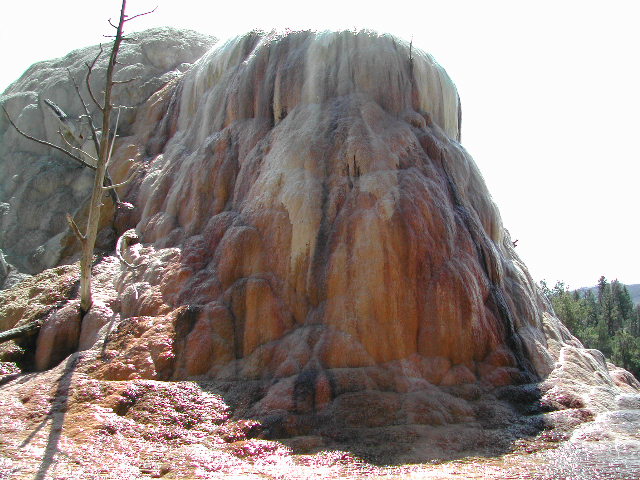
<point x="9" y="275"/>
<point x="39" y="185"/>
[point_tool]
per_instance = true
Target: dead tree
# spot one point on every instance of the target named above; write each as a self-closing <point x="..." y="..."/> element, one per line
<point x="20" y="332"/>
<point x="103" y="145"/>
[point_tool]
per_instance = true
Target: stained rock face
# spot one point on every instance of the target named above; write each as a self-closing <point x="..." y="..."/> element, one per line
<point x="320" y="215"/>
<point x="316" y="243"/>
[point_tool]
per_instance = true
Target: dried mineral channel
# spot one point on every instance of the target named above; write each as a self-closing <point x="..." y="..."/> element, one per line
<point x="319" y="261"/>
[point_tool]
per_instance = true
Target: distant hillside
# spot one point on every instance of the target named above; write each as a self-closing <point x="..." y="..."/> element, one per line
<point x="634" y="291"/>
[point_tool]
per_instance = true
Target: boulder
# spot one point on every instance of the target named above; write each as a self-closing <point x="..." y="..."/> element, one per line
<point x="58" y="337"/>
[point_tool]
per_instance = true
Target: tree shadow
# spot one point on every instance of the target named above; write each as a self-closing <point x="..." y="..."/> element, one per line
<point x="56" y="416"/>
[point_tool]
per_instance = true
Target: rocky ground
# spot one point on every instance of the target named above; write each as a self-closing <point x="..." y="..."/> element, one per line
<point x="68" y="422"/>
<point x="62" y="423"/>
<point x="87" y="400"/>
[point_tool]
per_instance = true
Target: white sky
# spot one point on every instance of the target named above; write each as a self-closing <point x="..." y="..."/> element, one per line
<point x="550" y="96"/>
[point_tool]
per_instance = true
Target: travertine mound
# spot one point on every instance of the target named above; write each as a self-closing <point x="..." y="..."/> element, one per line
<point x="311" y="206"/>
<point x="317" y="247"/>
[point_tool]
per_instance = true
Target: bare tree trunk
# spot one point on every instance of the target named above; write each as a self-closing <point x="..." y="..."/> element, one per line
<point x="97" y="195"/>
<point x="19" y="332"/>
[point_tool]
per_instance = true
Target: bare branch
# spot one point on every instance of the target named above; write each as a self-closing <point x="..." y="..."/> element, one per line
<point x="88" y="78"/>
<point x="88" y="116"/>
<point x="76" y="148"/>
<point x="23" y="331"/>
<point x="94" y="130"/>
<point x="48" y="144"/>
<point x="112" y="193"/>
<point x="115" y="132"/>
<point x="127" y="239"/>
<point x="95" y="133"/>
<point x="122" y="82"/>
<point x="121" y="184"/>
<point x="128" y="18"/>
<point x="122" y="39"/>
<point x="74" y="228"/>
<point x="107" y="179"/>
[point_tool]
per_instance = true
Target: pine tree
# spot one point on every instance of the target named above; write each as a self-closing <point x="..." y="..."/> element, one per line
<point x="591" y="309"/>
<point x="623" y="301"/>
<point x="606" y="320"/>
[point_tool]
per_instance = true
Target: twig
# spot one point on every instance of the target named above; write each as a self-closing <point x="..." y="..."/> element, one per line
<point x="121" y="82"/>
<point x="121" y="184"/>
<point x="76" y="148"/>
<point x="115" y="132"/>
<point x="108" y="182"/>
<point x="88" y="78"/>
<point x="128" y="18"/>
<point x="74" y="227"/>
